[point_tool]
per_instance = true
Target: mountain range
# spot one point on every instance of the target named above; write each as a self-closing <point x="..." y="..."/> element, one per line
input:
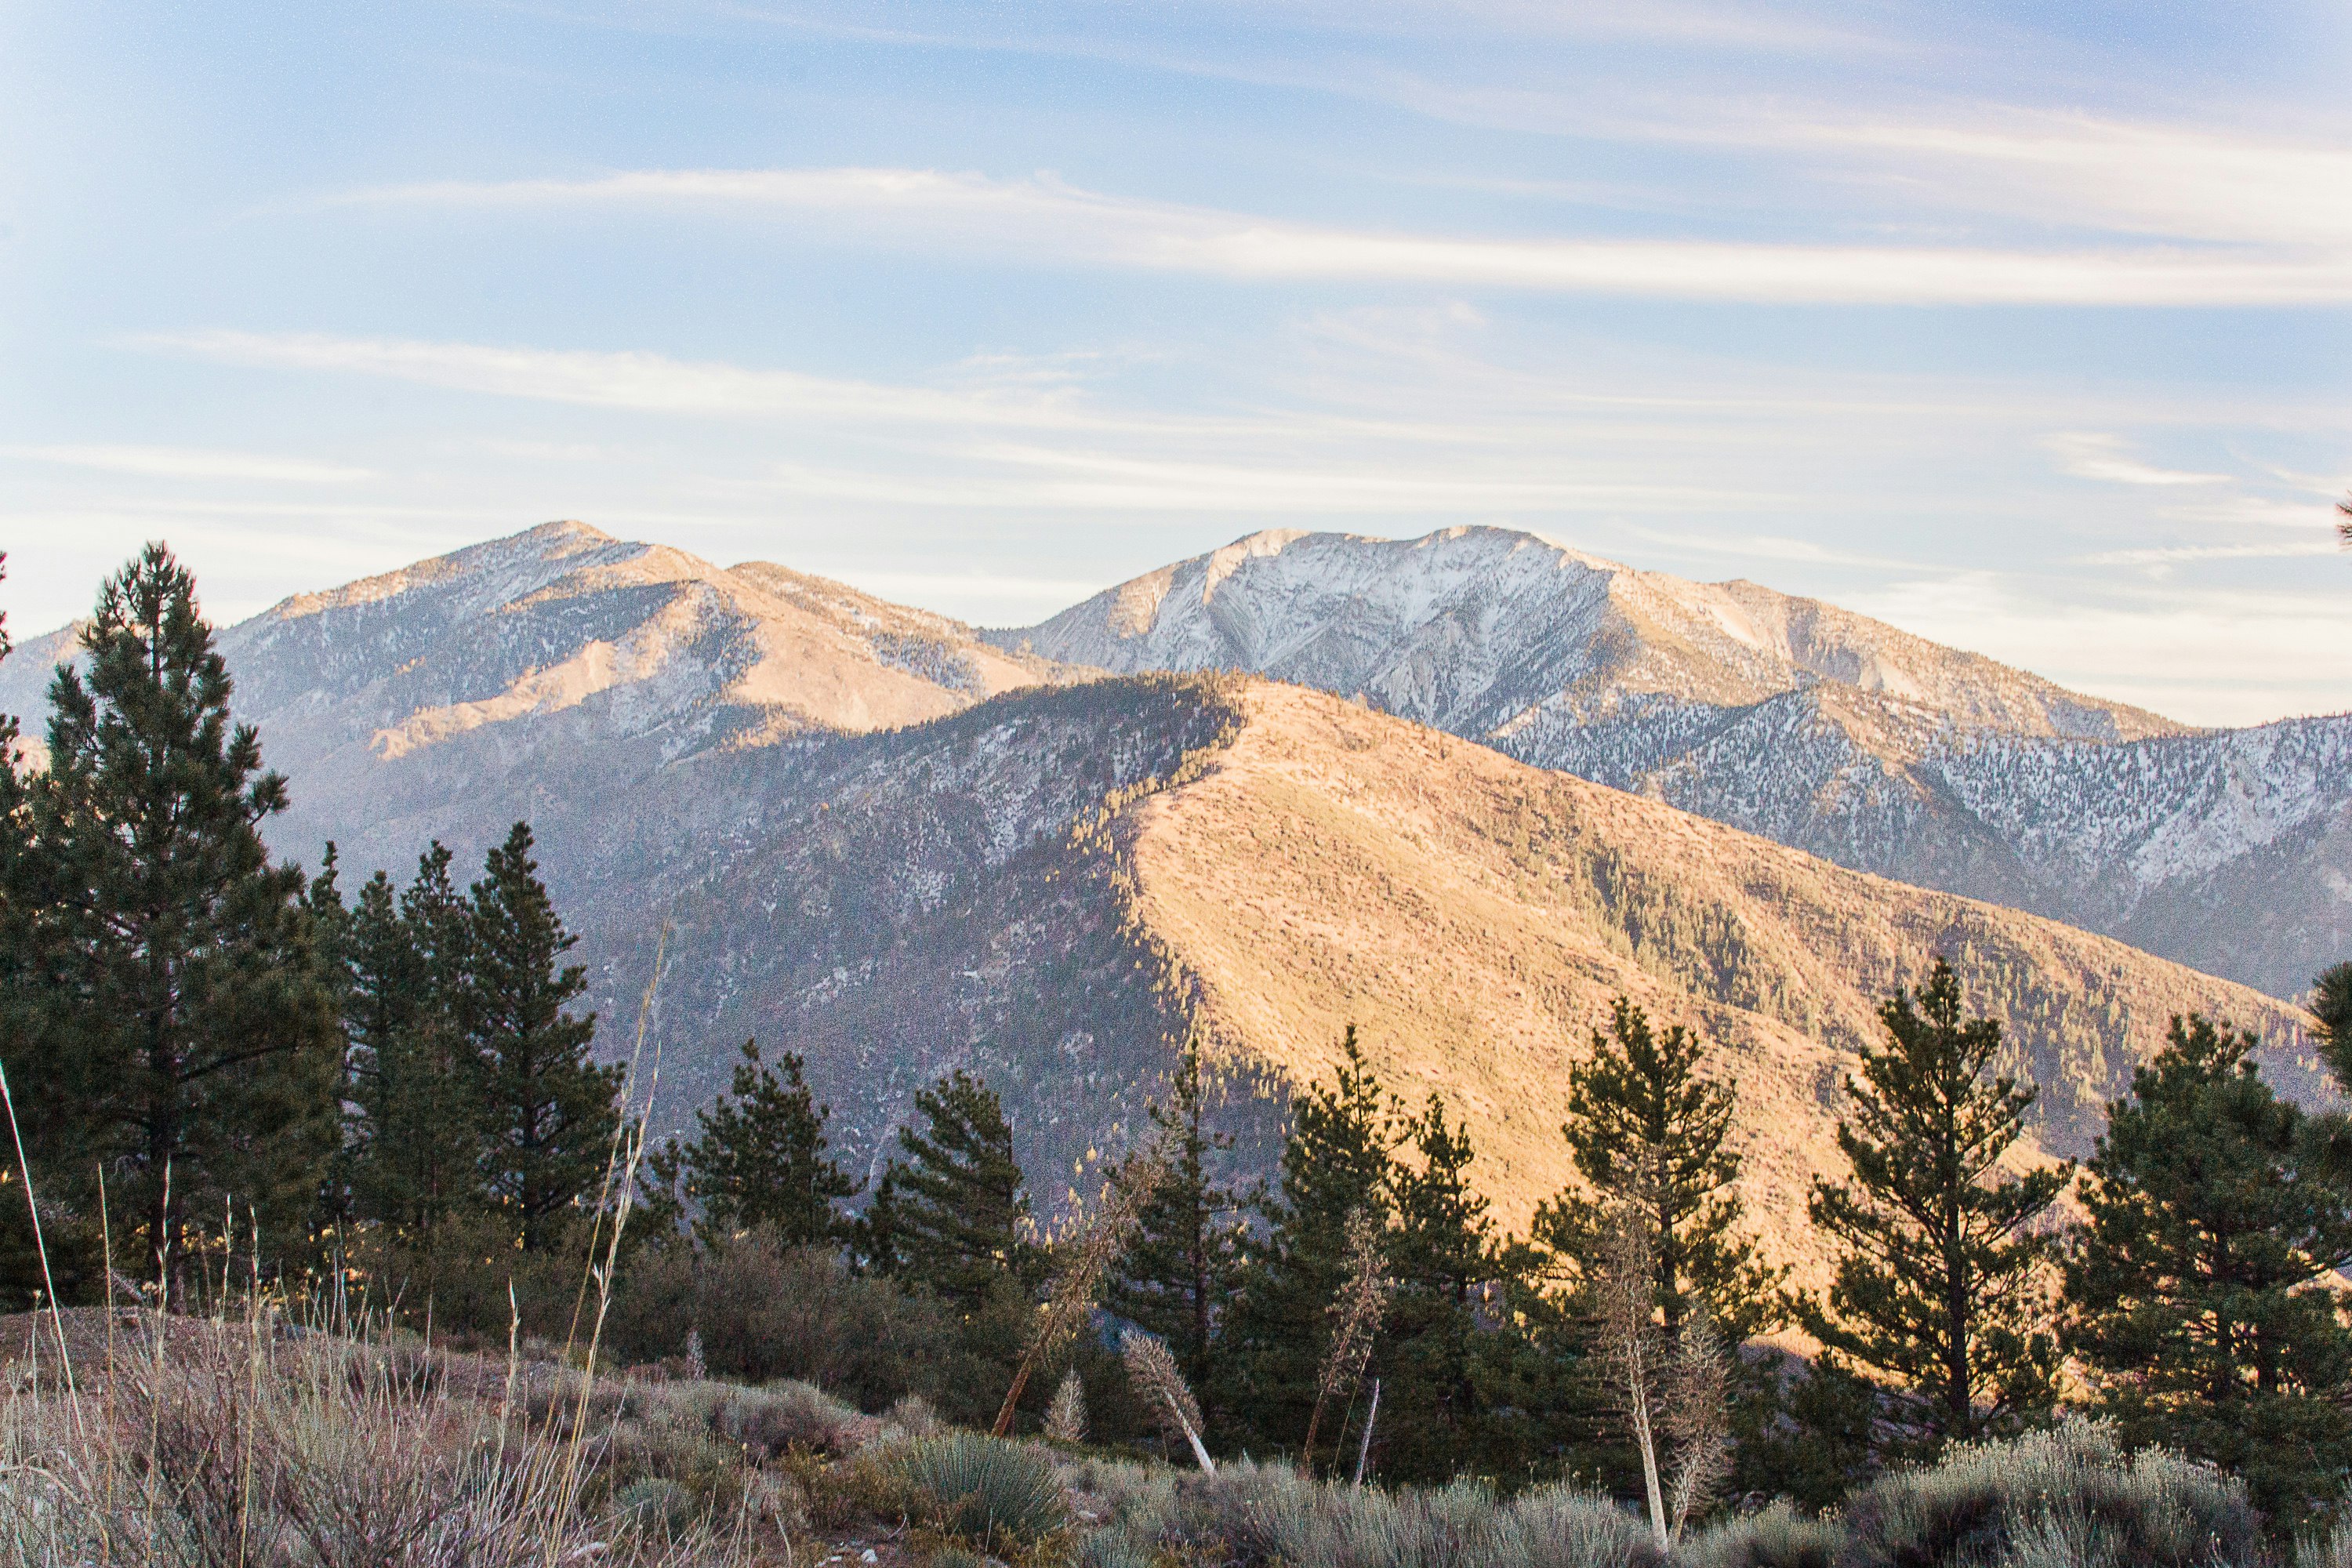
<point x="896" y="843"/>
<point x="2228" y="849"/>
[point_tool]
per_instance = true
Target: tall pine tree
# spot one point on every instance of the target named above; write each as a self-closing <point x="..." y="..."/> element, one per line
<point x="1435" y="1368"/>
<point x="1177" y="1278"/>
<point x="759" y="1159"/>
<point x="2214" y="1217"/>
<point x="550" y="1110"/>
<point x="1336" y="1162"/>
<point x="418" y="1139"/>
<point x="163" y="992"/>
<point x="1941" y="1287"/>
<point x="1647" y="1131"/>
<point x="61" y="1252"/>
<point x="958" y="1214"/>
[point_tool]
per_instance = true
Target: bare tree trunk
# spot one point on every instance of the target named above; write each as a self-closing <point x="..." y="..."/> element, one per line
<point x="1364" y="1448"/>
<point x="1630" y="1339"/>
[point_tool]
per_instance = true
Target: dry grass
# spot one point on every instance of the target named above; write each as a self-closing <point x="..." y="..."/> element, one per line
<point x="233" y="1444"/>
<point x="230" y="1442"/>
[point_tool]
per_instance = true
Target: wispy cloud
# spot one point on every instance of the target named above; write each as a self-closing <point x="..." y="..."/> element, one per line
<point x="645" y="383"/>
<point x="1048" y="221"/>
<point x="192" y="463"/>
<point x="2088" y="455"/>
<point x="2181" y="181"/>
<point x="1029" y="478"/>
<point x="1995" y="153"/>
<point x="2168" y="555"/>
<point x="1136" y="34"/>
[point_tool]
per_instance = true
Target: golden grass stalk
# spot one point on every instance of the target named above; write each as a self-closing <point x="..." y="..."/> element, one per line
<point x="1697" y="1417"/>
<point x="1355" y="1314"/>
<point x="1152" y="1370"/>
<point x="1628" y="1340"/>
<point x="1071" y="1298"/>
<point x="1066" y="1417"/>
<point x="40" y="1246"/>
<point x="618" y="1188"/>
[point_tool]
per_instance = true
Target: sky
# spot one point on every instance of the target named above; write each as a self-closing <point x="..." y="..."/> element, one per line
<point x="2025" y="327"/>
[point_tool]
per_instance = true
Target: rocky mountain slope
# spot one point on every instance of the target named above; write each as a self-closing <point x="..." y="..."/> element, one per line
<point x="1826" y="731"/>
<point x="871" y="837"/>
<point x="454" y="694"/>
<point x="1054" y="886"/>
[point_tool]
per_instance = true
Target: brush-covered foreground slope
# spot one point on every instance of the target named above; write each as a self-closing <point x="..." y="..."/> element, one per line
<point x="1053" y="886"/>
<point x="1824" y="729"/>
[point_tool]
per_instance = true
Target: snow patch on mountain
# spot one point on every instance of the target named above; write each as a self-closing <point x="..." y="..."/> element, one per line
<point x="1780" y="715"/>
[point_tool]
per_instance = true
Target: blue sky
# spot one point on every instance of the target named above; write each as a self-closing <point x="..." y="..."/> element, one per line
<point x="2025" y="327"/>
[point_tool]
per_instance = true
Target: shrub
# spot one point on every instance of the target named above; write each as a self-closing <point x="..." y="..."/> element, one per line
<point x="913" y="1416"/>
<point x="2060" y="1499"/>
<point x="1001" y="1496"/>
<point x="656" y="1507"/>
<point x="789" y="1415"/>
<point x="1113" y="1549"/>
<point x="1773" y="1536"/>
<point x="1565" y="1527"/>
<point x="767" y="1312"/>
<point x="2331" y="1550"/>
<point x="1255" y="1514"/>
<point x="224" y="1445"/>
<point x="456" y="1282"/>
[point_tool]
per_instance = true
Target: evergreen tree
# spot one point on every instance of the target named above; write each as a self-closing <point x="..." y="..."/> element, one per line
<point x="759" y="1158"/>
<point x="330" y="920"/>
<point x="1940" y="1287"/>
<point x="874" y="1234"/>
<point x="1176" y="1278"/>
<point x="550" y="1110"/>
<point x="162" y="989"/>
<point x="72" y="1262"/>
<point x="2331" y="1011"/>
<point x="418" y="1142"/>
<point x="2215" y="1212"/>
<point x="1442" y="1257"/>
<point x="956" y="1210"/>
<point x="1335" y="1162"/>
<point x="1648" y="1132"/>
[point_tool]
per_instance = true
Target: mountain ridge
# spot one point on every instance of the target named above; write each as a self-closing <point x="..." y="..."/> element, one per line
<point x="1826" y="731"/>
<point x="863" y="853"/>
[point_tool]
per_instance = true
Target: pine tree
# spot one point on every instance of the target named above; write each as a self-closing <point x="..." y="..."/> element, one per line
<point x="163" y="990"/>
<point x="419" y="1141"/>
<point x="2331" y="1011"/>
<point x="1648" y="1132"/>
<point x="1442" y="1257"/>
<point x="72" y="1261"/>
<point x="874" y="1234"/>
<point x="759" y="1158"/>
<point x="1335" y="1163"/>
<point x="1176" y="1278"/>
<point x="2215" y="1212"/>
<point x="550" y="1110"/>
<point x="1940" y="1287"/>
<point x="958" y="1211"/>
<point x="330" y="921"/>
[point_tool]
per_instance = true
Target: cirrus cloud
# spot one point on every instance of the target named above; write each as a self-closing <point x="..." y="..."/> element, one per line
<point x="1044" y="219"/>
